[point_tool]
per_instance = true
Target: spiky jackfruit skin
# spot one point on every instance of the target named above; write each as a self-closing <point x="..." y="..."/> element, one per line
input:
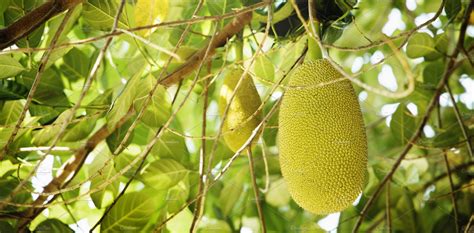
<point x="240" y="120"/>
<point x="322" y="140"/>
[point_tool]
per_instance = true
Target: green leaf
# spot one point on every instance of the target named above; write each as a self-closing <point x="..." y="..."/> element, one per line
<point x="232" y="192"/>
<point x="163" y="174"/>
<point x="32" y="40"/>
<point x="159" y="108"/>
<point x="331" y="33"/>
<point x="432" y="74"/>
<point x="50" y="90"/>
<point x="52" y="226"/>
<point x="452" y="8"/>
<point x="54" y="23"/>
<point x="419" y="45"/>
<point x="80" y="129"/>
<point x="213" y="225"/>
<point x="403" y="124"/>
<point x="9" y="67"/>
<point x="16" y="10"/>
<point x="405" y="220"/>
<point x="181" y="222"/>
<point x="100" y="14"/>
<point x="278" y="194"/>
<point x="4" y="5"/>
<point x="114" y="139"/>
<point x="46" y="134"/>
<point x="55" y="55"/>
<point x="220" y="7"/>
<point x="177" y="196"/>
<point x="5" y="133"/>
<point x="133" y="211"/>
<point x="285" y="57"/>
<point x="11" y="90"/>
<point x="263" y="68"/>
<point x="123" y="161"/>
<point x="24" y="196"/>
<point x="46" y="114"/>
<point x="5" y="226"/>
<point x="442" y="43"/>
<point x="126" y="98"/>
<point x="276" y="221"/>
<point x="410" y="174"/>
<point x="148" y="12"/>
<point x="106" y="195"/>
<point x="450" y="137"/>
<point x="10" y="112"/>
<point x="171" y="146"/>
<point x="76" y="65"/>
<point x="100" y="103"/>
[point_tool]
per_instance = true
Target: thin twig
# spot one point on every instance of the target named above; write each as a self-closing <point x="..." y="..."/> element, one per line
<point x="457" y="113"/>
<point x="432" y="104"/>
<point x="468" y="226"/>
<point x="448" y="194"/>
<point x="265" y="164"/>
<point x="190" y="67"/>
<point x="135" y="174"/>
<point x="232" y="159"/>
<point x="29" y="98"/>
<point x="85" y="88"/>
<point x="36" y="82"/>
<point x="200" y="203"/>
<point x="138" y="158"/>
<point x="453" y="195"/>
<point x="406" y="34"/>
<point x="387" y="204"/>
<point x="440" y="177"/>
<point x="219" y="40"/>
<point x="66" y="206"/>
<point x="137" y="171"/>
<point x="71" y="167"/>
<point x="90" y="78"/>
<point x="256" y="191"/>
<point x="193" y="20"/>
<point x="448" y="171"/>
<point x="226" y="167"/>
<point x="231" y="98"/>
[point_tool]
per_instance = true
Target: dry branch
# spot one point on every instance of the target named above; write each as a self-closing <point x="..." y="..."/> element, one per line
<point x="31" y="21"/>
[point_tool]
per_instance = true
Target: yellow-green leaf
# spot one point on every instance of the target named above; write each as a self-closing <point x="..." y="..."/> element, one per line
<point x="149" y="12"/>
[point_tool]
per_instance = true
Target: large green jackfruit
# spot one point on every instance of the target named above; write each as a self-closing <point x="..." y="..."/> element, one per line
<point x="242" y="117"/>
<point x="322" y="140"/>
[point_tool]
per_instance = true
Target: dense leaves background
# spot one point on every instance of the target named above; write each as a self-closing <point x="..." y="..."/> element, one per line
<point x="379" y="42"/>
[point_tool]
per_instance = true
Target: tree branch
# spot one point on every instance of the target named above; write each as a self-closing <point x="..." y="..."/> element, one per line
<point x="450" y="67"/>
<point x="31" y="21"/>
<point x="441" y="176"/>
<point x="70" y="169"/>
<point x="219" y="40"/>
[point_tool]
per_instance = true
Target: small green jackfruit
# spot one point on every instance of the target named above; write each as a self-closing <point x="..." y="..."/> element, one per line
<point x="322" y="140"/>
<point x="242" y="117"/>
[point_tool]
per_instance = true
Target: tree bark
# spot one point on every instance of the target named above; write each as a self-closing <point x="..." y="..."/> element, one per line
<point x="31" y="21"/>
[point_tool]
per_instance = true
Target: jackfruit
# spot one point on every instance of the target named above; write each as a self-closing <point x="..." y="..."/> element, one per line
<point x="242" y="117"/>
<point x="322" y="140"/>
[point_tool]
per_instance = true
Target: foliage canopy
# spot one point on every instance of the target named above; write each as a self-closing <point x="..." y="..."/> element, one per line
<point x="109" y="113"/>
